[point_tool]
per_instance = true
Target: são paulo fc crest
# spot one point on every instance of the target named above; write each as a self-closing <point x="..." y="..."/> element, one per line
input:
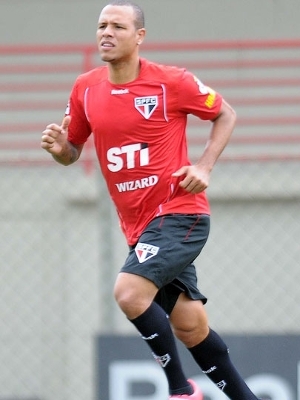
<point x="145" y="251"/>
<point x="146" y="105"/>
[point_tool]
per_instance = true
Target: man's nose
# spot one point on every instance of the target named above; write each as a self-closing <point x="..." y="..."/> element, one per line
<point x="107" y="31"/>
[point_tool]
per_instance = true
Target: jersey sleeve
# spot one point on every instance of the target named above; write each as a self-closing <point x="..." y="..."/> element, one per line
<point x="79" y="128"/>
<point x="198" y="99"/>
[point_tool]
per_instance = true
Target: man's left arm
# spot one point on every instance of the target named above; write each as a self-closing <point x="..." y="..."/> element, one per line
<point x="196" y="177"/>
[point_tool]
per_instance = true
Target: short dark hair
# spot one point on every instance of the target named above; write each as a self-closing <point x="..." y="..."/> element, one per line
<point x="139" y="13"/>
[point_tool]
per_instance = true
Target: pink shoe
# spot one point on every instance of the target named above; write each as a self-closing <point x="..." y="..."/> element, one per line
<point x="197" y="395"/>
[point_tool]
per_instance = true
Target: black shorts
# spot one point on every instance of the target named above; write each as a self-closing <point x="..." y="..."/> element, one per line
<point x="165" y="254"/>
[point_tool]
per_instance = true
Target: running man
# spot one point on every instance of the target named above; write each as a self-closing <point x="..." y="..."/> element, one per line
<point x="137" y="111"/>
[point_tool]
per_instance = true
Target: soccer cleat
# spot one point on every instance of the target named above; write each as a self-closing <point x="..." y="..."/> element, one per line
<point x="197" y="395"/>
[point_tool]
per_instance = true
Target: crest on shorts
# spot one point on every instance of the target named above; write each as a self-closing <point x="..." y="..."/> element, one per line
<point x="146" y="105"/>
<point x="145" y="251"/>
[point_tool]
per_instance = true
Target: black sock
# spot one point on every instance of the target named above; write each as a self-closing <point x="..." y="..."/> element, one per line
<point x="212" y="357"/>
<point x="155" y="329"/>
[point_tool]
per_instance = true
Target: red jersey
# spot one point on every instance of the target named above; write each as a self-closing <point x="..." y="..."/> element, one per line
<point x="139" y="131"/>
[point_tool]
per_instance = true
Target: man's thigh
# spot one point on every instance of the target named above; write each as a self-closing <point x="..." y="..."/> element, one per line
<point x="168" y="245"/>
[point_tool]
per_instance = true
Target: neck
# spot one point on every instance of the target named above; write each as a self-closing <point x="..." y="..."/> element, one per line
<point x="124" y="71"/>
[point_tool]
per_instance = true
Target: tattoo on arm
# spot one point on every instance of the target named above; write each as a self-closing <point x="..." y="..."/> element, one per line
<point x="68" y="156"/>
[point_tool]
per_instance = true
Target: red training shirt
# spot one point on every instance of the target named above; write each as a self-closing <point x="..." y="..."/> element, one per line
<point x="139" y="131"/>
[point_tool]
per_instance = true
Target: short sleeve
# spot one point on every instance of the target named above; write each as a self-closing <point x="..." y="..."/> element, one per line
<point x="198" y="99"/>
<point x="79" y="128"/>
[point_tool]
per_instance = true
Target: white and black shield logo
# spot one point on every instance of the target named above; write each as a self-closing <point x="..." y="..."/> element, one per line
<point x="146" y="105"/>
<point x="145" y="251"/>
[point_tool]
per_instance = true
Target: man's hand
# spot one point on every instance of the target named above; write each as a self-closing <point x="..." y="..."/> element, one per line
<point x="55" y="136"/>
<point x="55" y="141"/>
<point x="195" y="178"/>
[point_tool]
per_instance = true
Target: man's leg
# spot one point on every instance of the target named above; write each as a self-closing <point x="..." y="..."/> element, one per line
<point x="134" y="295"/>
<point x="190" y="325"/>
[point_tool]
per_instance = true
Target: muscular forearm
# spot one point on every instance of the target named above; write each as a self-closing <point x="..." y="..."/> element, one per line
<point x="219" y="137"/>
<point x="68" y="155"/>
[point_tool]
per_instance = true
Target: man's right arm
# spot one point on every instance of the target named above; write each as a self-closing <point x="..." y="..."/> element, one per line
<point x="54" y="141"/>
<point x="69" y="153"/>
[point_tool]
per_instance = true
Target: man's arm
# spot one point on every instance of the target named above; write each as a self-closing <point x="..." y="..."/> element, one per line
<point x="54" y="141"/>
<point x="196" y="177"/>
<point x="220" y="134"/>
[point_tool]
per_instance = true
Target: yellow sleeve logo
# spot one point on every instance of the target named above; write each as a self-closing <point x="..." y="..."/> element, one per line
<point x="210" y="101"/>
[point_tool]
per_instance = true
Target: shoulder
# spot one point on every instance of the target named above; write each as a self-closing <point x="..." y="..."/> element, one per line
<point x="92" y="77"/>
<point x="161" y="72"/>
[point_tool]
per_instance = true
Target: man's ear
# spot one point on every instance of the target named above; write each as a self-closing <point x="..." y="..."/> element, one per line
<point x="141" y="35"/>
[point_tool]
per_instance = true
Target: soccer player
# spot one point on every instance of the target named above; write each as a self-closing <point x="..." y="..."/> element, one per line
<point x="137" y="111"/>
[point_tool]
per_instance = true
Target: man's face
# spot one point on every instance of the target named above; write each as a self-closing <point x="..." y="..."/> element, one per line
<point x="117" y="36"/>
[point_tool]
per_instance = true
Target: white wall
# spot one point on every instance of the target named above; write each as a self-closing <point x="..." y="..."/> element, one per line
<point x="68" y="21"/>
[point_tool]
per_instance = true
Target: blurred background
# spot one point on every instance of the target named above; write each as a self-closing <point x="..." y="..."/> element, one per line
<point x="61" y="247"/>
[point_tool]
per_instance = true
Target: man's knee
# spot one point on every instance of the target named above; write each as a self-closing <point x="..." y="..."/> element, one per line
<point x="189" y="321"/>
<point x="134" y="294"/>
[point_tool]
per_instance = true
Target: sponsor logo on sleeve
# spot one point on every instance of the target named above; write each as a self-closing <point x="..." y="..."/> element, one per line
<point x="210" y="101"/>
<point x="203" y="89"/>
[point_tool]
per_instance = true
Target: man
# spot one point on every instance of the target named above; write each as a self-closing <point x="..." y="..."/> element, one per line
<point x="137" y="111"/>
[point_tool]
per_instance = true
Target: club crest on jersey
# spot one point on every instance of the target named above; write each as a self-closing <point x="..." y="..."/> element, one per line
<point x="145" y="251"/>
<point x="146" y="105"/>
